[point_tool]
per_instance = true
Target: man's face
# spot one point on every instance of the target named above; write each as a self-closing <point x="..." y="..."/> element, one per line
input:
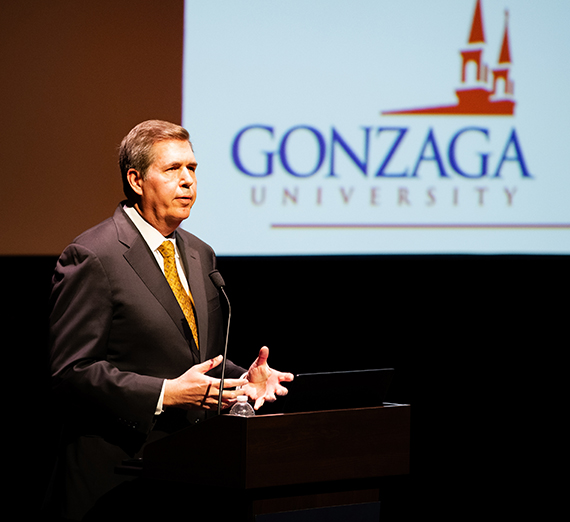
<point x="169" y="189"/>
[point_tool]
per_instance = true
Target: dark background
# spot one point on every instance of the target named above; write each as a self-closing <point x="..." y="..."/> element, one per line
<point x="478" y="342"/>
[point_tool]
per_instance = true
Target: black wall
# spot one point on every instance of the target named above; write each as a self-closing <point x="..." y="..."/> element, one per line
<point x="477" y="343"/>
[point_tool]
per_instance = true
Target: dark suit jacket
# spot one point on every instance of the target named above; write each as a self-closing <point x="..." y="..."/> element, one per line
<point x="116" y="332"/>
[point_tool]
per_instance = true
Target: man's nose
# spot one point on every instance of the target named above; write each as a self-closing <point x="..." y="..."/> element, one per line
<point x="186" y="178"/>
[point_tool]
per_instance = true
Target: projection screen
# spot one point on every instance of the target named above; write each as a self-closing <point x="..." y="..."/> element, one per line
<point x="372" y="127"/>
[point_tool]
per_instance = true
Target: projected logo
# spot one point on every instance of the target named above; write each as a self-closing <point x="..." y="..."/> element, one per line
<point x="464" y="162"/>
<point x="483" y="91"/>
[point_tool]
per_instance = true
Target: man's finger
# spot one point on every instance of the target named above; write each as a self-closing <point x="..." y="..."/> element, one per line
<point x="232" y="383"/>
<point x="281" y="391"/>
<point x="203" y="404"/>
<point x="206" y="366"/>
<point x="288" y="377"/>
<point x="263" y="355"/>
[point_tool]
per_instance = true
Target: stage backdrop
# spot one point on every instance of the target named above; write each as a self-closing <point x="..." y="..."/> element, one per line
<point x="76" y="77"/>
<point x="375" y="126"/>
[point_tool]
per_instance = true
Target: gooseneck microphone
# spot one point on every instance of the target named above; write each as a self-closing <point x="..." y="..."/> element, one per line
<point x="218" y="281"/>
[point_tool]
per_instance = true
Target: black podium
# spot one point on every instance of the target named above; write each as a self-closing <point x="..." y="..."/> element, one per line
<point x="286" y="462"/>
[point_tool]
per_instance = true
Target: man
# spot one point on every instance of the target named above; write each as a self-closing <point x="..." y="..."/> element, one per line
<point x="136" y="324"/>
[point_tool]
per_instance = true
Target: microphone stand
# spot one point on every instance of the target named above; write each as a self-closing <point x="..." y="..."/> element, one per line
<point x="225" y="353"/>
<point x="218" y="282"/>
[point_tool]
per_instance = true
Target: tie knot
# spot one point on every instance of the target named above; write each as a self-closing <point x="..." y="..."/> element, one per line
<point x="166" y="249"/>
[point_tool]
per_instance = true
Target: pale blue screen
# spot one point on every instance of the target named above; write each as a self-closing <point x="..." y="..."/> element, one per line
<point x="288" y="102"/>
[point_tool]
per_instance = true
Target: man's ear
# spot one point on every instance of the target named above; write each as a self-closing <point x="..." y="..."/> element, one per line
<point x="135" y="181"/>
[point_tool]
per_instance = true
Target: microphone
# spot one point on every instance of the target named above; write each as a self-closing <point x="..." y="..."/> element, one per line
<point x="218" y="281"/>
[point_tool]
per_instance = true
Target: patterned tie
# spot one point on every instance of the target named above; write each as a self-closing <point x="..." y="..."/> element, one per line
<point x="186" y="302"/>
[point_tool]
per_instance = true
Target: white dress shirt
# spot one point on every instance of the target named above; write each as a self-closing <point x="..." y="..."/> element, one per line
<point x="154" y="239"/>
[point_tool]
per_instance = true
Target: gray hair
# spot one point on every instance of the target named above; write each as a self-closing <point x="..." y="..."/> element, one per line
<point x="136" y="150"/>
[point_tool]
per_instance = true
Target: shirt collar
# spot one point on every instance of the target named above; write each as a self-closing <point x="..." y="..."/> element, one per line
<point x="150" y="234"/>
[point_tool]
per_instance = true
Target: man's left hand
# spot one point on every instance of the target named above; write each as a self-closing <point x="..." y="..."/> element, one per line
<point x="264" y="383"/>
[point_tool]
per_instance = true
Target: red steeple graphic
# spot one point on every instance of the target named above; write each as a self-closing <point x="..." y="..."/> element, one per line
<point x="505" y="56"/>
<point x="482" y="91"/>
<point x="477" y="34"/>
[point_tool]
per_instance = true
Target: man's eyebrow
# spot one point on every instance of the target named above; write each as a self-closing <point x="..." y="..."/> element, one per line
<point x="178" y="164"/>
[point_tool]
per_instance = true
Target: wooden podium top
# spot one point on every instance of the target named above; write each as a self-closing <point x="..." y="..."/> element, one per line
<point x="285" y="449"/>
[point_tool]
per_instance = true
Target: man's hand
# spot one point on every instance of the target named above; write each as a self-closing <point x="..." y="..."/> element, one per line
<point x="264" y="383"/>
<point x="193" y="389"/>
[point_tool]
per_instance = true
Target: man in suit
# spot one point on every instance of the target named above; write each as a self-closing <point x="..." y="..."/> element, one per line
<point x="136" y="328"/>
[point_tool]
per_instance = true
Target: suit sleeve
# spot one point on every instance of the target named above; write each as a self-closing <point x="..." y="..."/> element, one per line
<point x="80" y="321"/>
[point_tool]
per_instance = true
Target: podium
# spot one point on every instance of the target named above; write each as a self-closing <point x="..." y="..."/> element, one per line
<point x="287" y="462"/>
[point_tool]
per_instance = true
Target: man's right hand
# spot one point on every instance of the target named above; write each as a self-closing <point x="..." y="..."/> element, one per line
<point x="194" y="389"/>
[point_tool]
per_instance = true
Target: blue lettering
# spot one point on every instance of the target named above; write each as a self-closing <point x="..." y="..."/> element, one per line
<point x="321" y="151"/>
<point x="436" y="156"/>
<point x="362" y="165"/>
<point x="289" y="153"/>
<point x="381" y="172"/>
<point x="518" y="157"/>
<point x="268" y="155"/>
<point x="453" y="159"/>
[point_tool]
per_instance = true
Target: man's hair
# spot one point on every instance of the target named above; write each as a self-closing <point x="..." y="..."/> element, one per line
<point x="136" y="151"/>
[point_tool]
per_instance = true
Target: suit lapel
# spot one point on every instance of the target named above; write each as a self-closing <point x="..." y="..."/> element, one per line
<point x="193" y="267"/>
<point x="142" y="260"/>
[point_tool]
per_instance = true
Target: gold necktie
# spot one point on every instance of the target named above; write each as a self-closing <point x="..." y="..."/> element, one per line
<point x="186" y="302"/>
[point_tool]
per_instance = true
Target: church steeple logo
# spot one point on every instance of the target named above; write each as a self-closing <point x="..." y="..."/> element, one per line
<point x="482" y="91"/>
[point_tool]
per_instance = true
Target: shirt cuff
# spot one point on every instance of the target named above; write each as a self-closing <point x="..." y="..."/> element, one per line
<point x="159" y="408"/>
